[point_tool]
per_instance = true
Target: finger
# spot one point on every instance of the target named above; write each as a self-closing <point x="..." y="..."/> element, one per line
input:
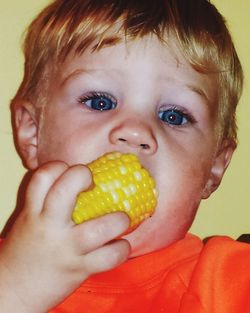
<point x="95" y="233"/>
<point x="61" y="198"/>
<point x="40" y="184"/>
<point x="106" y="257"/>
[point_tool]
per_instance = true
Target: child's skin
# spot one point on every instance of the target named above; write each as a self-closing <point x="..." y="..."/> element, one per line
<point x="142" y="81"/>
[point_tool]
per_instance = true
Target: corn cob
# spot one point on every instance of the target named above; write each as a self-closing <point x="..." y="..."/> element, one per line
<point x="121" y="184"/>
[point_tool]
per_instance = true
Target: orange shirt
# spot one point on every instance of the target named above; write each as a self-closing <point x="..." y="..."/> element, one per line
<point x="186" y="277"/>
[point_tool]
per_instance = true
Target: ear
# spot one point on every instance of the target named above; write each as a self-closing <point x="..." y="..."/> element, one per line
<point x="220" y="164"/>
<point x="26" y="134"/>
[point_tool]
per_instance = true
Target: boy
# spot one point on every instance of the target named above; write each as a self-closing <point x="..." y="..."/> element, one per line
<point x="160" y="79"/>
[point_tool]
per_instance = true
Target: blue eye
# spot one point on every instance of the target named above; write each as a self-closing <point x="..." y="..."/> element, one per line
<point x="99" y="102"/>
<point x="174" y="117"/>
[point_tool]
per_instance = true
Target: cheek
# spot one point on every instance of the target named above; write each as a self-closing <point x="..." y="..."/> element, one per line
<point x="181" y="185"/>
<point x="56" y="138"/>
<point x="74" y="142"/>
<point x="180" y="196"/>
<point x="185" y="172"/>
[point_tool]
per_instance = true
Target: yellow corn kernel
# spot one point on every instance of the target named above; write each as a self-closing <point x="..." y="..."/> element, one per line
<point x="121" y="184"/>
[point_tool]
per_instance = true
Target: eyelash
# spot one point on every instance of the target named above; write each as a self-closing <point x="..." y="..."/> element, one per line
<point x="179" y="111"/>
<point x="173" y="116"/>
<point x="98" y="96"/>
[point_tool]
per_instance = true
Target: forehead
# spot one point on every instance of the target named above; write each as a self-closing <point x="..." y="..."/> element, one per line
<point x="147" y="58"/>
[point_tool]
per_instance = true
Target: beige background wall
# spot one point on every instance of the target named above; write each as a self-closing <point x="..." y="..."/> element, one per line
<point x="226" y="212"/>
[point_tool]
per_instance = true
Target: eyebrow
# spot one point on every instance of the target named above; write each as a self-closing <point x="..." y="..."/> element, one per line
<point x="75" y="73"/>
<point x="198" y="91"/>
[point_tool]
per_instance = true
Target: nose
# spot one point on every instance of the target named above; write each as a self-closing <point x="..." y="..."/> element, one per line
<point x="134" y="135"/>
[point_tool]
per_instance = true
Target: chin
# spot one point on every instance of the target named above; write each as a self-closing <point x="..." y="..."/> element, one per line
<point x="145" y="239"/>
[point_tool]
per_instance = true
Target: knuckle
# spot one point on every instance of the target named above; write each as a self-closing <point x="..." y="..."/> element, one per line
<point x="49" y="170"/>
<point x="120" y="252"/>
<point x="94" y="233"/>
<point x="82" y="176"/>
<point x="83" y="170"/>
<point x="41" y="175"/>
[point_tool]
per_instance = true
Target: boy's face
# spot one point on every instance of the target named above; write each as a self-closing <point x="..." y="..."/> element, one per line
<point x="144" y="98"/>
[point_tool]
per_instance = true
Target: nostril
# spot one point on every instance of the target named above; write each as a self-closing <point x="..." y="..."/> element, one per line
<point x="144" y="146"/>
<point x="134" y="143"/>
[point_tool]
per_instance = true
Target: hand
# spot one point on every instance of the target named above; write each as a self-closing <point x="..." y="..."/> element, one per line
<point x="46" y="256"/>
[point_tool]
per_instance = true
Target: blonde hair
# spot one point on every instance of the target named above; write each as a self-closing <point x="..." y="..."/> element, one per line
<point x="72" y="26"/>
